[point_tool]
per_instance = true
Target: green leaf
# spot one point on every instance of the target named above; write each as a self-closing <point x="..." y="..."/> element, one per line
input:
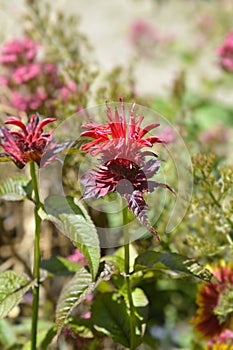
<point x="75" y="291"/>
<point x="81" y="326"/>
<point x="73" y="220"/>
<point x="60" y="266"/>
<point x="140" y="302"/>
<point x="7" y="335"/>
<point x="173" y="262"/>
<point x="139" y="298"/>
<point x="110" y="316"/>
<point x="12" y="289"/>
<point x="15" y="188"/>
<point x="48" y="338"/>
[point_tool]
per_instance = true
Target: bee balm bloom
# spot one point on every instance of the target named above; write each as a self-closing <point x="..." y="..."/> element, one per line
<point x="123" y="167"/>
<point x="29" y="143"/>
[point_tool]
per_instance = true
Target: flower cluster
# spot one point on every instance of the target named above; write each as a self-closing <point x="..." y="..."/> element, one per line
<point x="123" y="167"/>
<point x="225" y="53"/>
<point x="207" y="321"/>
<point x="29" y="143"/>
<point x="30" y="84"/>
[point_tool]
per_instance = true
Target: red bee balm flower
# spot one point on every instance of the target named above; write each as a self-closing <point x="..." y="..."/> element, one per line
<point x="29" y="143"/>
<point x="123" y="166"/>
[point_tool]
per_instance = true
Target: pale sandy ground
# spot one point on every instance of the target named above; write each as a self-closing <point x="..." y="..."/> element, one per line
<point x="107" y="23"/>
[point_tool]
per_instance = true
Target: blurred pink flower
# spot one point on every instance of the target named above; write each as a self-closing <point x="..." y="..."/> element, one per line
<point x="4" y="81"/>
<point x="205" y="21"/>
<point x="144" y="37"/>
<point x="26" y="72"/>
<point x="86" y="315"/>
<point x="215" y="135"/>
<point x="225" y="53"/>
<point x="167" y="135"/>
<point x="66" y="91"/>
<point x="77" y="257"/>
<point x="28" y="102"/>
<point x="142" y="29"/>
<point x="23" y="49"/>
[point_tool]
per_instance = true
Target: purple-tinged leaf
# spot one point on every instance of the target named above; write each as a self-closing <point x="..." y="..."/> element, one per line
<point x="139" y="208"/>
<point x="152" y="185"/>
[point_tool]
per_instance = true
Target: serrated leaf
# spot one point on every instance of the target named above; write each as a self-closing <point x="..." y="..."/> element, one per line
<point x="75" y="291"/>
<point x="73" y="220"/>
<point x="173" y="262"/>
<point x="14" y="188"/>
<point x="58" y="265"/>
<point x="12" y="289"/>
<point x="111" y="317"/>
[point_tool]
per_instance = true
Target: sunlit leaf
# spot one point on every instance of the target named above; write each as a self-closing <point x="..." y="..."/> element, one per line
<point x="15" y="188"/>
<point x="12" y="289"/>
<point x="73" y="220"/>
<point x="75" y="291"/>
<point x="173" y="262"/>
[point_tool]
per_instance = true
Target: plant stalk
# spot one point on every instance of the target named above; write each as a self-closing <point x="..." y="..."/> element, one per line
<point x="127" y="276"/>
<point x="36" y="270"/>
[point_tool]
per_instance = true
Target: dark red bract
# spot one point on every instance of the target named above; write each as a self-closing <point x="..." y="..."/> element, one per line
<point x="28" y="144"/>
<point x="123" y="167"/>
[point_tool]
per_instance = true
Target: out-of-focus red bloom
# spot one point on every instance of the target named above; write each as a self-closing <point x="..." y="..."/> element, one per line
<point x="124" y="167"/>
<point x="29" y="143"/>
<point x="223" y="342"/>
<point x="206" y="322"/>
<point x="225" y="53"/>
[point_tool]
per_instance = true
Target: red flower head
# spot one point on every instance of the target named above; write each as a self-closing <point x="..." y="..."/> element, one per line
<point x="208" y="323"/>
<point x="123" y="165"/>
<point x="29" y="143"/>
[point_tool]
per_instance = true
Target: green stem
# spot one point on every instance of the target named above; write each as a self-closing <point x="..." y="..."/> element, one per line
<point x="36" y="271"/>
<point x="127" y="276"/>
